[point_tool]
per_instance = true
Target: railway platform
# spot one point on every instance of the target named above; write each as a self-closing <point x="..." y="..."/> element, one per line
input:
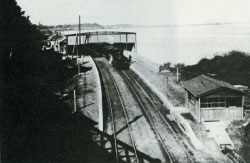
<point x="88" y="91"/>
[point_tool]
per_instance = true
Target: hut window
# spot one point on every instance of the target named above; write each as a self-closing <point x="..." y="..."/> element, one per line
<point x="213" y="102"/>
<point x="234" y="101"/>
<point x="222" y="102"/>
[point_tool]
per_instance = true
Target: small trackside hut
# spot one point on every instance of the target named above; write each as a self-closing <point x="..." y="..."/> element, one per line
<point x="210" y="99"/>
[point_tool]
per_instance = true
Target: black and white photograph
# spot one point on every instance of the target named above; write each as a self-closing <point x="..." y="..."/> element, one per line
<point x="124" y="81"/>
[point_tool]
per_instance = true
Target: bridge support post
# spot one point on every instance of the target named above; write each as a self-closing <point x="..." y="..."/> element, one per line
<point x="126" y="41"/>
<point x="74" y="100"/>
<point x="135" y="44"/>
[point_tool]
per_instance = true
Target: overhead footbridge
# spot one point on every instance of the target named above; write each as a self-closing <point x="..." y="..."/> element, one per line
<point x="100" y="41"/>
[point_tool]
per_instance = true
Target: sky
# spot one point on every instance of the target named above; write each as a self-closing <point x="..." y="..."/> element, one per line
<point x="137" y="12"/>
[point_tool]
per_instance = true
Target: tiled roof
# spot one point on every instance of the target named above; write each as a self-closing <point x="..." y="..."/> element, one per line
<point x="202" y="84"/>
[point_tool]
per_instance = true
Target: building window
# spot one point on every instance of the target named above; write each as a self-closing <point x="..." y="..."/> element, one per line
<point x="213" y="102"/>
<point x="234" y="102"/>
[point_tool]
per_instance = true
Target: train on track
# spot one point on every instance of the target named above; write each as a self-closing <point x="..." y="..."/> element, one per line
<point x="115" y="56"/>
<point x="121" y="62"/>
<point x="112" y="53"/>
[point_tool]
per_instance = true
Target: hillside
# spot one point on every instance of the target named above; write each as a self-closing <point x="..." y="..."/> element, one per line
<point x="88" y="26"/>
<point x="120" y="26"/>
<point x="84" y="26"/>
<point x="232" y="67"/>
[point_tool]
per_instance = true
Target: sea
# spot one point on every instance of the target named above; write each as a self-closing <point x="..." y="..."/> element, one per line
<point x="186" y="44"/>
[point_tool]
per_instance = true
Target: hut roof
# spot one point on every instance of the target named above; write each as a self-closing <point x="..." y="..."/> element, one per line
<point x="202" y="84"/>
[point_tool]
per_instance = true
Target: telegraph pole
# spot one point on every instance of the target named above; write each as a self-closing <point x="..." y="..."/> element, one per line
<point x="74" y="94"/>
<point x="79" y="27"/>
<point x="177" y="74"/>
<point x="77" y="46"/>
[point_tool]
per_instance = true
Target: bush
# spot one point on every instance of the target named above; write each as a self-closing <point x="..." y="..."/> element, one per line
<point x="232" y="67"/>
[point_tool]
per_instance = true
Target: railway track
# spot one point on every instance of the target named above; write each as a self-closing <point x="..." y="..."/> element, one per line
<point x="155" y="113"/>
<point x="119" y="117"/>
<point x="233" y="156"/>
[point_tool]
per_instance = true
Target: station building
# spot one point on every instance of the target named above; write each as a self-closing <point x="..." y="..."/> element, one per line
<point x="210" y="99"/>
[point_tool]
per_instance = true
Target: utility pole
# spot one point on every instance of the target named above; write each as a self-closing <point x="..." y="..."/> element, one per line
<point x="177" y="74"/>
<point x="74" y="94"/>
<point x="79" y="45"/>
<point x="77" y="48"/>
<point x="39" y="25"/>
<point x="126" y="41"/>
<point x="77" y="58"/>
<point x="79" y="28"/>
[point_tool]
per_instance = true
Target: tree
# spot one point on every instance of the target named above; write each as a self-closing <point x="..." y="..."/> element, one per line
<point x="232" y="67"/>
<point x="19" y="36"/>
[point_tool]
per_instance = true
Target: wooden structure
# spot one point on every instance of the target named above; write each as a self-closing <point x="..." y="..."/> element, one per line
<point x="210" y="99"/>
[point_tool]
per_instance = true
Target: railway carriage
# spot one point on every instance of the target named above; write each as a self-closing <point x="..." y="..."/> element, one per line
<point x="119" y="61"/>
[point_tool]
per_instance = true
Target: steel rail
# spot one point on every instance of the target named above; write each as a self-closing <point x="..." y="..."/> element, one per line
<point x="125" y="114"/>
<point x="234" y="160"/>
<point x="152" y="123"/>
<point x="164" y="119"/>
<point x="111" y="111"/>
<point x="238" y="157"/>
<point x="102" y="65"/>
<point x="234" y="157"/>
